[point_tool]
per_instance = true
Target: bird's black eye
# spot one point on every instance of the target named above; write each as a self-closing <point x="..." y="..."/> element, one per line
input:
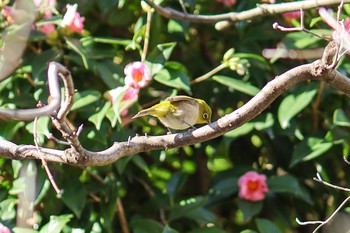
<point x="205" y="115"/>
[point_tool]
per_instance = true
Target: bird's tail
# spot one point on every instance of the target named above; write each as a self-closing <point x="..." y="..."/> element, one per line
<point x="142" y="113"/>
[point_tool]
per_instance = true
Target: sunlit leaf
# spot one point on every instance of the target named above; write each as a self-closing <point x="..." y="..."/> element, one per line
<point x="293" y="104"/>
<point x="56" y="223"/>
<point x="236" y="84"/>
<point x="308" y="149"/>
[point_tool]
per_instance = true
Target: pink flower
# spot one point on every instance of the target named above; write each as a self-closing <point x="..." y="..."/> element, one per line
<point x="4" y="229"/>
<point x="341" y="31"/>
<point x="44" y="3"/>
<point x="72" y="19"/>
<point x="252" y="186"/>
<point x="47" y="28"/>
<point x="46" y="7"/>
<point x="227" y="2"/>
<point x="8" y="13"/>
<point x="289" y="16"/>
<point x="137" y="75"/>
<point x="122" y="98"/>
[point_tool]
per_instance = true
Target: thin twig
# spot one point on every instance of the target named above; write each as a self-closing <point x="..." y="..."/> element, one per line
<point x="43" y="162"/>
<point x="227" y="19"/>
<point x="121" y="214"/>
<point x="320" y="180"/>
<point x="209" y="74"/>
<point x="147" y="35"/>
<point x="322" y="223"/>
<point x="183" y="6"/>
<point x="297" y="29"/>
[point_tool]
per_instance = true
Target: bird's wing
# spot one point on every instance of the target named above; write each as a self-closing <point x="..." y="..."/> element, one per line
<point x="180" y="98"/>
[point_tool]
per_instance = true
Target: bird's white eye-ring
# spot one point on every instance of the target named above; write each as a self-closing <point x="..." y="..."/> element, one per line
<point x="205" y="115"/>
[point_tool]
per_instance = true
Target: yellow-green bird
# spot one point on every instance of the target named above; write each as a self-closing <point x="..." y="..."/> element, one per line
<point x="179" y="112"/>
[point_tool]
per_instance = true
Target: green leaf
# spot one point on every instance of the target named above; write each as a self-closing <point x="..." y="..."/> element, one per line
<point x="42" y="128"/>
<point x="248" y="231"/>
<point x="340" y="118"/>
<point x="40" y="64"/>
<point x="159" y="56"/>
<point x="168" y="229"/>
<point x="177" y="180"/>
<point x="263" y="121"/>
<point x="8" y="209"/>
<point x="236" y="84"/>
<point x="146" y="226"/>
<point x="85" y="98"/>
<point x="207" y="229"/>
<point x="74" y="44"/>
<point x="288" y="184"/>
<point x="248" y="208"/>
<point x="240" y="131"/>
<point x="308" y="149"/>
<point x="201" y="216"/>
<point x="56" y="223"/>
<point x="267" y="226"/>
<point x="23" y="230"/>
<point x="74" y="195"/>
<point x="98" y="117"/>
<point x="174" y="76"/>
<point x="140" y="163"/>
<point x="105" y="40"/>
<point x="185" y="206"/>
<point x="9" y="129"/>
<point x="302" y="40"/>
<point x="108" y="72"/>
<point x="293" y="104"/>
<point x="225" y="187"/>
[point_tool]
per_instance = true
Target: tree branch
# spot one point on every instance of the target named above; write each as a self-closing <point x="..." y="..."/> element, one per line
<point x="54" y="70"/>
<point x="225" y="20"/>
<point x="79" y="156"/>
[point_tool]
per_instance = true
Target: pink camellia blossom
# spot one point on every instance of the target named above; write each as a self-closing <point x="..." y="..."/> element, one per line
<point x="289" y="16"/>
<point x="46" y="7"/>
<point x="72" y="19"/>
<point x="122" y="98"/>
<point x="252" y="186"/>
<point x="4" y="229"/>
<point x="341" y="31"/>
<point x="227" y="2"/>
<point x="7" y="14"/>
<point x="137" y="75"/>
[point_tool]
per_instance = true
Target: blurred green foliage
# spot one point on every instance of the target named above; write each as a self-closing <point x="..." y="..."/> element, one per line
<point x="191" y="189"/>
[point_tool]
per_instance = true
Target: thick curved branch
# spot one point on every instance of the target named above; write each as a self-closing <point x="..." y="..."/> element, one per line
<point x="54" y="70"/>
<point x="317" y="70"/>
<point x="225" y="20"/>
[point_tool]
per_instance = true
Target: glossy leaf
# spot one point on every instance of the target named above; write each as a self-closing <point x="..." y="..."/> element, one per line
<point x="236" y="84"/>
<point x="56" y="224"/>
<point x="289" y="185"/>
<point x="185" y="207"/>
<point x="293" y="104"/>
<point x="248" y="208"/>
<point x="159" y="56"/>
<point x="174" y="78"/>
<point x="85" y="98"/>
<point x="206" y="229"/>
<point x="74" y="195"/>
<point x="146" y="226"/>
<point x="340" y="118"/>
<point x="267" y="226"/>
<point x="308" y="149"/>
<point x="176" y="181"/>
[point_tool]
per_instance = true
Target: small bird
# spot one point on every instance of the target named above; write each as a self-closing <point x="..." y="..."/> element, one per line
<point x="179" y="112"/>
